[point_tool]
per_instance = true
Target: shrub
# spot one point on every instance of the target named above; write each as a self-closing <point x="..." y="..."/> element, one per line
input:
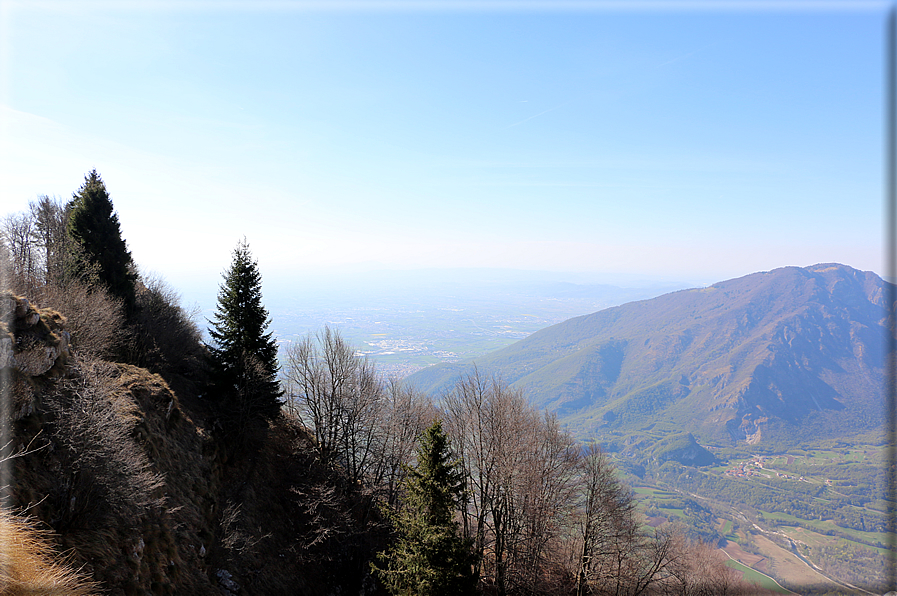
<point x="165" y="339"/>
<point x="107" y="474"/>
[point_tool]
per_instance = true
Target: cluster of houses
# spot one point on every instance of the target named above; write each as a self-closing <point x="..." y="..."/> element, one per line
<point x="751" y="468"/>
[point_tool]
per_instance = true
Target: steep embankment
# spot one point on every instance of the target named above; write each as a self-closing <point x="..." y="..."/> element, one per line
<point x="148" y="495"/>
<point x="747" y="359"/>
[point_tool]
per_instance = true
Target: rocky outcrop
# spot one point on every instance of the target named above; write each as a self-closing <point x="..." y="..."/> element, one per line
<point x="32" y="340"/>
<point x="33" y="345"/>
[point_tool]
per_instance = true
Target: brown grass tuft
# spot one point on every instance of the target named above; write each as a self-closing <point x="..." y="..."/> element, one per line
<point x="28" y="564"/>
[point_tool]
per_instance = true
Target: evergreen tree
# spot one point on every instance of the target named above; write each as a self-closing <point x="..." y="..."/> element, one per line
<point x="99" y="253"/>
<point x="430" y="558"/>
<point x="244" y="355"/>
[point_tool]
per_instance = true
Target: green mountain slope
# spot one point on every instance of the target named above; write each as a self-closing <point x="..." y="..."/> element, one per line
<point x="749" y="359"/>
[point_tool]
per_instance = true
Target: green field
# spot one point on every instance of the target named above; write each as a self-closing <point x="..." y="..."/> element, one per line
<point x="867" y="538"/>
<point x="755" y="577"/>
<point x="673" y="512"/>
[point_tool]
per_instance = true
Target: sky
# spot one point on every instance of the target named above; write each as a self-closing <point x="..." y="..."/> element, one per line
<point x="700" y="141"/>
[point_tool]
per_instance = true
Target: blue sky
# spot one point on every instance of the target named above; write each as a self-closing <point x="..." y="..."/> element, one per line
<point x="696" y="141"/>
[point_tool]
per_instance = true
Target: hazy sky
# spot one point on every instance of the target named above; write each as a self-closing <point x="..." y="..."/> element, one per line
<point x="699" y="140"/>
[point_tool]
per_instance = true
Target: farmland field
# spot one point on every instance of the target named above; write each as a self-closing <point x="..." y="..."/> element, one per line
<point x="806" y="518"/>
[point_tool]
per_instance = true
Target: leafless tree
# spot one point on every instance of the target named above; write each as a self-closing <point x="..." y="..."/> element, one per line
<point x="337" y="394"/>
<point x="601" y="497"/>
<point x="36" y="242"/>
<point x="404" y="414"/>
<point x="468" y="420"/>
<point x="50" y="218"/>
<point x="521" y="468"/>
<point x="617" y="556"/>
<point x="17" y="233"/>
<point x="699" y="569"/>
<point x="546" y="500"/>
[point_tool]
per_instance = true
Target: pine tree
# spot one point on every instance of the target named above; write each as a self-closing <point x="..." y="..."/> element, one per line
<point x="100" y="253"/>
<point x="430" y="557"/>
<point x="244" y="355"/>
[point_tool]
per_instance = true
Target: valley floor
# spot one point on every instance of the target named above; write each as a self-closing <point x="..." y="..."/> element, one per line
<point x="785" y="543"/>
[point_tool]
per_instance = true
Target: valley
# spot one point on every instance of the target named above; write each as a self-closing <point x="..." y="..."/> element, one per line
<point x="843" y="548"/>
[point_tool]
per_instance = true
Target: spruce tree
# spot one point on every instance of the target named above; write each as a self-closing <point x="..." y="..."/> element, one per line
<point x="430" y="557"/>
<point x="100" y="254"/>
<point x="243" y="353"/>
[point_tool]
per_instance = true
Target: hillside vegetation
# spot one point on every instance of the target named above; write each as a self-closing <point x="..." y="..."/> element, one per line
<point x="133" y="484"/>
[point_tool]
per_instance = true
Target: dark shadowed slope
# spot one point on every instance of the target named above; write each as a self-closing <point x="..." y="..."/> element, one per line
<point x="749" y="358"/>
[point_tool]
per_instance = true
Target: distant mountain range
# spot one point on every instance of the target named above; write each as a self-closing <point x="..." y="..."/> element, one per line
<point x="772" y="356"/>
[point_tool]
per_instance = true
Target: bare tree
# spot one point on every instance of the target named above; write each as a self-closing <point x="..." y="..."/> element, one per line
<point x="521" y="469"/>
<point x="17" y="234"/>
<point x="404" y="414"/>
<point x="601" y="497"/>
<point x="468" y="420"/>
<point x="546" y="501"/>
<point x="337" y="394"/>
<point x="50" y="219"/>
<point x="699" y="569"/>
<point x="617" y="556"/>
<point x="36" y="242"/>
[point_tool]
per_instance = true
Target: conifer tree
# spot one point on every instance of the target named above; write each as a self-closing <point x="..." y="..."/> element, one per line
<point x="430" y="557"/>
<point x="99" y="252"/>
<point x="244" y="354"/>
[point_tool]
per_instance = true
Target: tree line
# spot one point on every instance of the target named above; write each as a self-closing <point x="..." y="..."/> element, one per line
<point x="514" y="505"/>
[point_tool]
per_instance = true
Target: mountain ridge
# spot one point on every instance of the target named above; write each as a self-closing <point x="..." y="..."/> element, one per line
<point x="739" y="359"/>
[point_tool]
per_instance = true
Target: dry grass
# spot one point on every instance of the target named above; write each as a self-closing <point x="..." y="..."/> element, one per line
<point x="99" y="482"/>
<point x="29" y="565"/>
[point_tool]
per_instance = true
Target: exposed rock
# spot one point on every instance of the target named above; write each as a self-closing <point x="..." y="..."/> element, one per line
<point x="34" y="341"/>
<point x="226" y="581"/>
<point x="7" y="357"/>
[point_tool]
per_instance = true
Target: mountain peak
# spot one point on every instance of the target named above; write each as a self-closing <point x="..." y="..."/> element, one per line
<point x="747" y="360"/>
